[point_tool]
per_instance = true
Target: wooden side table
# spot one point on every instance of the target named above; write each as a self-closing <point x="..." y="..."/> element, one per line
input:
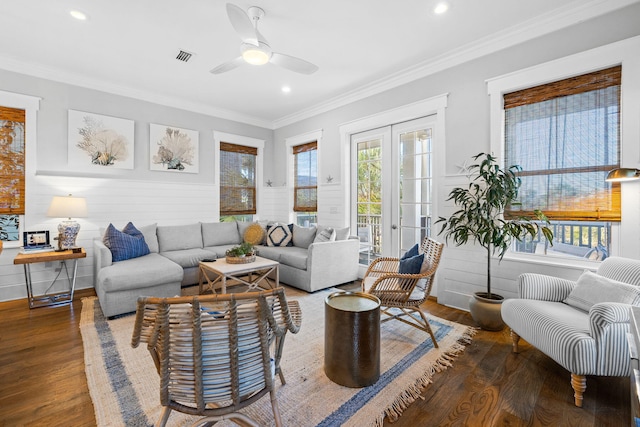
<point x="58" y="298"/>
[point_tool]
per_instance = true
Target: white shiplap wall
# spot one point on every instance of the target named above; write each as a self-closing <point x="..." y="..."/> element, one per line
<point x="463" y="270"/>
<point x="109" y="200"/>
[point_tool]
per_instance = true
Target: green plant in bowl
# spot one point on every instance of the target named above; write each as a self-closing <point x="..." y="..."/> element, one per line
<point x="242" y="250"/>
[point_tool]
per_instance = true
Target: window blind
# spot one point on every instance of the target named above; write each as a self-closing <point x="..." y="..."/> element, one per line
<point x="237" y="179"/>
<point x="565" y="136"/>
<point x="305" y="177"/>
<point x="12" y="150"/>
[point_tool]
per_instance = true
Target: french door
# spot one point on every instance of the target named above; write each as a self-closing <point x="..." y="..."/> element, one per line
<point x="392" y="187"/>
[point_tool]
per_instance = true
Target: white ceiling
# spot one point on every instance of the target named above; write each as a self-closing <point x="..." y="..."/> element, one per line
<point x="129" y="47"/>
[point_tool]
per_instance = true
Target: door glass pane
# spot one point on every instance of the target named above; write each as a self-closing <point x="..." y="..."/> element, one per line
<point x="415" y="187"/>
<point x="369" y="198"/>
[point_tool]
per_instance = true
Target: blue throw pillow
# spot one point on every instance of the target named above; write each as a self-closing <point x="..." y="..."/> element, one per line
<point x="411" y="265"/>
<point x="125" y="244"/>
<point x="411" y="252"/>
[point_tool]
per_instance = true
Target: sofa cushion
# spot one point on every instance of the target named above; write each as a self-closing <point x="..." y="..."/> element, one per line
<point x="219" y="251"/>
<point x="150" y="237"/>
<point x="176" y="237"/>
<point x="220" y="233"/>
<point x="186" y="258"/>
<point x="254" y="234"/>
<point x="592" y="289"/>
<point x="325" y="234"/>
<point x="280" y="235"/>
<point x="342" y="233"/>
<point x="303" y="236"/>
<point x="126" y="244"/>
<point x="558" y="330"/>
<point x="294" y="257"/>
<point x="145" y="271"/>
<point x="271" y="252"/>
<point x="242" y="228"/>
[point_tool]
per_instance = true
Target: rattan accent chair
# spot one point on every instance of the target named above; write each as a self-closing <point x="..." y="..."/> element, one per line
<point x="216" y="354"/>
<point x="402" y="294"/>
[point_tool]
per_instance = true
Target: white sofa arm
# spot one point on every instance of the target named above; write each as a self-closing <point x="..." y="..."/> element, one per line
<point x="544" y="288"/>
<point x="101" y="257"/>
<point x="333" y="263"/>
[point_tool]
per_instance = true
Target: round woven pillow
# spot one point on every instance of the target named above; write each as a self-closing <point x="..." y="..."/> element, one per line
<point x="254" y="234"/>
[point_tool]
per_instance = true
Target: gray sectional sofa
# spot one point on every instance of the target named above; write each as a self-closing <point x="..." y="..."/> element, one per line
<point x="176" y="250"/>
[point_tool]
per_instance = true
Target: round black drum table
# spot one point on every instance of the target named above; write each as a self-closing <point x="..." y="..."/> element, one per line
<point x="352" y="338"/>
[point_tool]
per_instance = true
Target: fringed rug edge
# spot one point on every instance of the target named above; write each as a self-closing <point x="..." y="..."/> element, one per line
<point x="414" y="391"/>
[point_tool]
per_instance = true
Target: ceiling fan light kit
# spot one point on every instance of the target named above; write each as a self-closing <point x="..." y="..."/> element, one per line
<point x="255" y="50"/>
<point x="255" y="55"/>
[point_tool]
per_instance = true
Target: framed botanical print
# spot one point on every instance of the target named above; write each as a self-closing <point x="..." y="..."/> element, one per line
<point x="99" y="143"/>
<point x="173" y="149"/>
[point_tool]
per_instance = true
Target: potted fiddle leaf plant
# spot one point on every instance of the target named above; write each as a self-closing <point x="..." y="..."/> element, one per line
<point x="480" y="218"/>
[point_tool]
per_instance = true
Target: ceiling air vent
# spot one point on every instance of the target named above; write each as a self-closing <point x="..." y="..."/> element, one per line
<point x="184" y="56"/>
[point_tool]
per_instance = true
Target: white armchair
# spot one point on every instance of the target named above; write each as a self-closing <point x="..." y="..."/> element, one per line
<point x="581" y="325"/>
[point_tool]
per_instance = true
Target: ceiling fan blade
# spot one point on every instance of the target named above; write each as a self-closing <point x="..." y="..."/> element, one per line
<point x="242" y="24"/>
<point x="292" y="63"/>
<point x="228" y="66"/>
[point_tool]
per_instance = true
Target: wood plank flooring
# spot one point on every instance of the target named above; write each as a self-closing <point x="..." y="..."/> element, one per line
<point x="42" y="379"/>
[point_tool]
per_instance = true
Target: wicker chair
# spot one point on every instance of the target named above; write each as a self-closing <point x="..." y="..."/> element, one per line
<point x="402" y="294"/>
<point x="216" y="354"/>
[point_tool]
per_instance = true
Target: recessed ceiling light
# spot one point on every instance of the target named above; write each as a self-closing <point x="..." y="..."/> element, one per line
<point x="286" y="89"/>
<point x="80" y="16"/>
<point x="441" y="8"/>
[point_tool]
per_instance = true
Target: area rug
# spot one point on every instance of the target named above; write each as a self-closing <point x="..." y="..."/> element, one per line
<point x="124" y="384"/>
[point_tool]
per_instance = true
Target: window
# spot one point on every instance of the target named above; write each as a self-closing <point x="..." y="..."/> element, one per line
<point x="12" y="178"/>
<point x="305" y="187"/>
<point x="566" y="137"/>
<point x="237" y="180"/>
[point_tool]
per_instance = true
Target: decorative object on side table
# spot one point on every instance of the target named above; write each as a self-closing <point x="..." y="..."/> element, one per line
<point x="241" y="254"/>
<point x="480" y="218"/>
<point x="67" y="207"/>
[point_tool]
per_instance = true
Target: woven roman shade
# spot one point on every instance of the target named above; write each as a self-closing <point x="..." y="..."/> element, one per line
<point x="305" y="177"/>
<point x="12" y="149"/>
<point x="566" y="137"/>
<point x="237" y="179"/>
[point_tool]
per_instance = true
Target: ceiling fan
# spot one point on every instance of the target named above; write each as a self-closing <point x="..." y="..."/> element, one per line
<point x="255" y="49"/>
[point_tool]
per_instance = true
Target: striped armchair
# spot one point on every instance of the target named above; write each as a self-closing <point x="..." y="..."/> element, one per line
<point x="585" y="340"/>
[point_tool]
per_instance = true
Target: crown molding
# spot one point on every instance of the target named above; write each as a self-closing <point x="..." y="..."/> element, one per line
<point x="38" y="70"/>
<point x="571" y="14"/>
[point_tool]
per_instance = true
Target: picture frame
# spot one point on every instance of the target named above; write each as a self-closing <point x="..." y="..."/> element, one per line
<point x="99" y="143"/>
<point x="173" y="149"/>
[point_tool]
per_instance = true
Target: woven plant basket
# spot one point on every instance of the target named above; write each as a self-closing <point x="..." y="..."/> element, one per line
<point x="241" y="259"/>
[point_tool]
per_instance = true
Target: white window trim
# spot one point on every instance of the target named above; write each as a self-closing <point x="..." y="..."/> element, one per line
<point x="31" y="105"/>
<point x="289" y="143"/>
<point x="623" y="52"/>
<point x="239" y="140"/>
<point x="435" y="105"/>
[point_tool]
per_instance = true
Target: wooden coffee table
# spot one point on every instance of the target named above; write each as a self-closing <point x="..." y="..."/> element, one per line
<point x="251" y="274"/>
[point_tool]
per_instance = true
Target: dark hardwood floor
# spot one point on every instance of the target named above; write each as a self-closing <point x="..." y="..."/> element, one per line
<point x="42" y="379"/>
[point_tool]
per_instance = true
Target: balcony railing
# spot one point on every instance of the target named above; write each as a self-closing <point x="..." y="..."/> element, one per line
<point x="582" y="239"/>
<point x="579" y="239"/>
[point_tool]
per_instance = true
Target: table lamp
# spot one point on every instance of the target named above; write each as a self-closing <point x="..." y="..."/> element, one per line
<point x="67" y="207"/>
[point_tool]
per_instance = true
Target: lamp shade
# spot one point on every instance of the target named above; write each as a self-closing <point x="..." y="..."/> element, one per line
<point x="67" y="207"/>
<point x="623" y="174"/>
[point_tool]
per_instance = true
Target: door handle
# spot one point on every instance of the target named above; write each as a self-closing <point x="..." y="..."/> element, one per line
<point x="394" y="227"/>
